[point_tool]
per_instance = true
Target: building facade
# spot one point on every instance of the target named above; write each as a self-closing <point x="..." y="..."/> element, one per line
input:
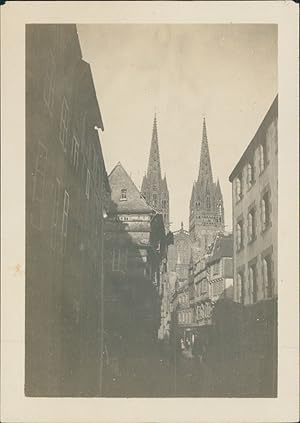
<point x="212" y="282"/>
<point x="206" y="204"/>
<point x="179" y="257"/>
<point x="136" y="253"/>
<point x="208" y="280"/>
<point x="67" y="192"/>
<point x="255" y="218"/>
<point x="255" y="202"/>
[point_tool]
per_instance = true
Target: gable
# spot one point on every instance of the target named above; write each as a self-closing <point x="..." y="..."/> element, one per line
<point x="133" y="203"/>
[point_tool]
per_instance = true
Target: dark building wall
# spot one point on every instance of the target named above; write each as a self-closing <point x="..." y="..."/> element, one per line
<point x="66" y="191"/>
<point x="135" y="247"/>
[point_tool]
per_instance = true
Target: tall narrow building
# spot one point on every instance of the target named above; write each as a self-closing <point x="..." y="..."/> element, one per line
<point x="206" y="204"/>
<point x="154" y="187"/>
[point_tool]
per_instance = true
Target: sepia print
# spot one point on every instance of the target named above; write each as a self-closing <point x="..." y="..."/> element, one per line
<point x="151" y="210"/>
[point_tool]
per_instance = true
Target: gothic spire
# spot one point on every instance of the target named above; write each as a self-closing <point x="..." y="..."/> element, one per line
<point x="218" y="191"/>
<point x="154" y="170"/>
<point x="205" y="171"/>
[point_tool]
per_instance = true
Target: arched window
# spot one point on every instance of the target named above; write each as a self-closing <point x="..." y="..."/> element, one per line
<point x="252" y="284"/>
<point x="154" y="200"/>
<point x="220" y="210"/>
<point x="262" y="157"/>
<point x="238" y="188"/>
<point x="267" y="276"/>
<point x="251" y="225"/>
<point x="239" y="235"/>
<point x="250" y="175"/>
<point x="208" y="202"/>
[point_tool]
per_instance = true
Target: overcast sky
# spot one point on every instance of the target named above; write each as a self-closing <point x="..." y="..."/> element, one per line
<point x="226" y="72"/>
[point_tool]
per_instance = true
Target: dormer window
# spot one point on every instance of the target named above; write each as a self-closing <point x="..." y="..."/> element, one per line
<point x="123" y="195"/>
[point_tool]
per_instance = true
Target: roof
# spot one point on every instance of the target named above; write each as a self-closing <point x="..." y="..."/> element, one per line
<point x="223" y="247"/>
<point x="135" y="203"/>
<point x="91" y="97"/>
<point x="260" y="133"/>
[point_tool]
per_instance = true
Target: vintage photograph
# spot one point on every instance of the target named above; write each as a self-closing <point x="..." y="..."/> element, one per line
<point x="151" y="210"/>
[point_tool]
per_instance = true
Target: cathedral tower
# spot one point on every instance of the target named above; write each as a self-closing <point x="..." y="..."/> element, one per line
<point x="206" y="204"/>
<point x="154" y="187"/>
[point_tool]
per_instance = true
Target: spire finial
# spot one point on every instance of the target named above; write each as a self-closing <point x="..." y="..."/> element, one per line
<point x="182" y="226"/>
<point x="204" y="134"/>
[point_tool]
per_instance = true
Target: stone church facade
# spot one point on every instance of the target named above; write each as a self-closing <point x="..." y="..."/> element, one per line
<point x="206" y="204"/>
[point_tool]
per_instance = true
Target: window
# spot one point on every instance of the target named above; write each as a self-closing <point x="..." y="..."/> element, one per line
<point x="240" y="240"/>
<point x="252" y="284"/>
<point x="82" y="126"/>
<point x="265" y="210"/>
<point x="119" y="259"/>
<point x="164" y="203"/>
<point x="49" y="84"/>
<point x="262" y="157"/>
<point x="238" y="188"/>
<point x="220" y="209"/>
<point x="240" y="288"/>
<point x="123" y="194"/>
<point x="250" y="175"/>
<point x="208" y="202"/>
<point x="202" y="311"/>
<point x="55" y="212"/>
<point x="64" y="121"/>
<point x="65" y="218"/>
<point x="154" y="200"/>
<point x="204" y="286"/>
<point x="267" y="276"/>
<point x="216" y="268"/>
<point x="75" y="152"/>
<point x="206" y="310"/>
<point x="251" y="225"/>
<point x="39" y="185"/>
<point x="88" y="183"/>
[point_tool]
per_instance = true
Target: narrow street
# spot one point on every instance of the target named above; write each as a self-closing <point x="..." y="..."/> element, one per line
<point x="161" y="375"/>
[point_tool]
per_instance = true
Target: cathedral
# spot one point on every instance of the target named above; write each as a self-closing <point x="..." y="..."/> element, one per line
<point x="206" y="204"/>
<point x="154" y="187"/>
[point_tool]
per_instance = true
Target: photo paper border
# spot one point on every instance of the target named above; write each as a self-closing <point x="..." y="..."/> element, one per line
<point x="15" y="407"/>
